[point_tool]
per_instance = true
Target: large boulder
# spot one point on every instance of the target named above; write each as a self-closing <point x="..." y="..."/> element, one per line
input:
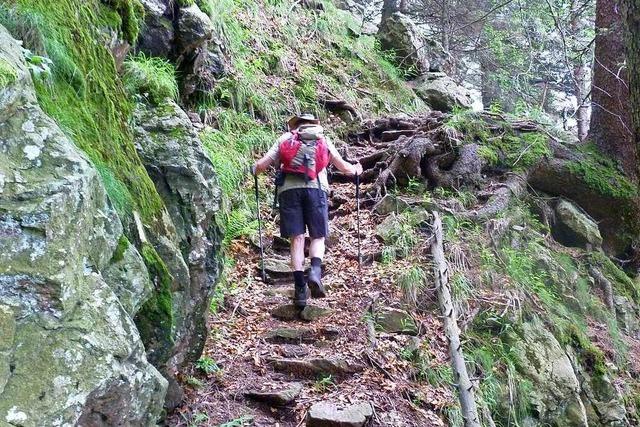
<point x="173" y="155"/>
<point x="573" y="227"/>
<point x="70" y="353"/>
<point x="413" y="51"/>
<point x="555" y="395"/>
<point x="194" y="29"/>
<point x="157" y="34"/>
<point x="441" y="92"/>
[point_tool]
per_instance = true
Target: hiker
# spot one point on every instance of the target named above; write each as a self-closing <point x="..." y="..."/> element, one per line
<point x="303" y="154"/>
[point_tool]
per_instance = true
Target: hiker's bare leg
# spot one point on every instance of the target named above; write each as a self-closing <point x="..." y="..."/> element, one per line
<point x="316" y="249"/>
<point x="297" y="252"/>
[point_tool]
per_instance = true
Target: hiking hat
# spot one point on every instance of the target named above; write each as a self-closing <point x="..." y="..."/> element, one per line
<point x="299" y="119"/>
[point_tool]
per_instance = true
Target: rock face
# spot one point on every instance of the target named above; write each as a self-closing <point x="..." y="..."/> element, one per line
<point x="174" y="158"/>
<point x="276" y="397"/>
<point x="396" y="321"/>
<point x="575" y="228"/>
<point x="399" y="34"/>
<point x="158" y="33"/>
<point x="441" y="93"/>
<point x="69" y="350"/>
<point x="555" y="395"/>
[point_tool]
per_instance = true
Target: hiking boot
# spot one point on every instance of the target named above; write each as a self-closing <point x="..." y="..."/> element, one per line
<point x="300" y="296"/>
<point x="315" y="279"/>
<point x="301" y="292"/>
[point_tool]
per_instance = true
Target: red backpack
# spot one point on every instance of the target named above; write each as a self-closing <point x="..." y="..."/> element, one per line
<point x="304" y="157"/>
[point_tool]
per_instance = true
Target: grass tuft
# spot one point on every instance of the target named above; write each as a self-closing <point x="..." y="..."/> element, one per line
<point x="150" y="76"/>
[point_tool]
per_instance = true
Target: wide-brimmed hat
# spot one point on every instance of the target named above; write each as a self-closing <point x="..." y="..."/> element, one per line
<point x="299" y="119"/>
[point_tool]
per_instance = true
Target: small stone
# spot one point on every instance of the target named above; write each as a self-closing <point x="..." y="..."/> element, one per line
<point x="326" y="414"/>
<point x="276" y="397"/>
<point x="283" y="335"/>
<point x="396" y="321"/>
<point x="292" y="351"/>
<point x="312" y="312"/>
<point x="286" y="312"/>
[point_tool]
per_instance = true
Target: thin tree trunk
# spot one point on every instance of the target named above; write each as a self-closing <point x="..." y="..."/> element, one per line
<point x="445" y="25"/>
<point x="579" y="78"/>
<point x="610" y="116"/>
<point x="441" y="273"/>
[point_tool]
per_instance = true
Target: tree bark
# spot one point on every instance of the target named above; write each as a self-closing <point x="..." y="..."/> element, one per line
<point x="631" y="10"/>
<point x="610" y="117"/>
<point x="389" y="7"/>
<point x="441" y="274"/>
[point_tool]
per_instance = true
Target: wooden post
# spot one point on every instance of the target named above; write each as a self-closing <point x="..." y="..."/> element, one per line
<point x="452" y="332"/>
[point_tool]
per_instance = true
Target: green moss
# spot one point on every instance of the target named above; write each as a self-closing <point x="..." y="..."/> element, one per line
<point x="131" y="13"/>
<point x="84" y="95"/>
<point x="123" y="245"/>
<point x="155" y="319"/>
<point x="7" y="74"/>
<point x="524" y="150"/>
<point x="151" y="76"/>
<point x="604" y="178"/>
<point x="489" y="154"/>
<point x="622" y="283"/>
<point x="590" y="356"/>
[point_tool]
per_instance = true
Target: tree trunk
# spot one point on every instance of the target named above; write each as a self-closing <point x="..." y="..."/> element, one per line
<point x="610" y="117"/>
<point x="631" y="10"/>
<point x="389" y="7"/>
<point x="445" y="25"/>
<point x="579" y="79"/>
<point x="441" y="274"/>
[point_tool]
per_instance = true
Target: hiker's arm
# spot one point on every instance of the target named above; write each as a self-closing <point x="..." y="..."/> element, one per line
<point x="262" y="164"/>
<point x="340" y="163"/>
<point x="272" y="157"/>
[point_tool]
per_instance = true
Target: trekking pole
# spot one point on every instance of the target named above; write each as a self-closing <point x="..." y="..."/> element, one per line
<point x="255" y="180"/>
<point x="358" y="219"/>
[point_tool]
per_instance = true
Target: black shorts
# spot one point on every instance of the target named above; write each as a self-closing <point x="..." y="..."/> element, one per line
<point x="302" y="208"/>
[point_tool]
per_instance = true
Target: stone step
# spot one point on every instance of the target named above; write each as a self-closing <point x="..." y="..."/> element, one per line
<point x="315" y="367"/>
<point x="291" y="312"/>
<point x="327" y="414"/>
<point x="278" y="397"/>
<point x="300" y="335"/>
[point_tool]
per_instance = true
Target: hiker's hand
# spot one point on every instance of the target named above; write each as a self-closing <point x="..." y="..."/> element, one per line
<point x="254" y="169"/>
<point x="357" y="169"/>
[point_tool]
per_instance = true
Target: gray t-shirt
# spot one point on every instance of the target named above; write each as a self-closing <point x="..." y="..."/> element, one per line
<point x="293" y="181"/>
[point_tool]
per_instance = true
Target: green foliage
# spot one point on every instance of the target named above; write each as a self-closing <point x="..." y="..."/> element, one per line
<point x="207" y="6"/>
<point x="194" y="382"/>
<point x="123" y="245"/>
<point x="622" y="283"/>
<point x="84" y="94"/>
<point x="412" y="281"/>
<point x="207" y="365"/>
<point x="155" y="320"/>
<point x="602" y="175"/>
<point x="198" y="419"/>
<point x="7" y="74"/>
<point x="324" y="383"/>
<point x="243" y="421"/>
<point x="151" y="76"/>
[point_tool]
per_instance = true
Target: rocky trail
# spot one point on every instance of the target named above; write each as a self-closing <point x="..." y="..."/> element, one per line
<point x="336" y="363"/>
